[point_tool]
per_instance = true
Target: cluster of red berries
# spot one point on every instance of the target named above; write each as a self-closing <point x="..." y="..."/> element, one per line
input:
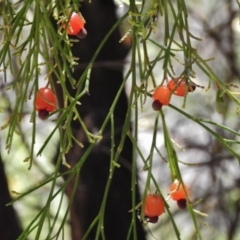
<point x="154" y="203"/>
<point x="76" y="26"/>
<point x="46" y="102"/>
<point x="177" y="86"/>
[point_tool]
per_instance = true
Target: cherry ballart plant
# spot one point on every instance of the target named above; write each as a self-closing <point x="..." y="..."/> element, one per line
<point x="76" y="26"/>
<point x="179" y="192"/>
<point x="154" y="207"/>
<point x="161" y="96"/>
<point x="135" y="144"/>
<point x="179" y="87"/>
<point x="46" y="102"/>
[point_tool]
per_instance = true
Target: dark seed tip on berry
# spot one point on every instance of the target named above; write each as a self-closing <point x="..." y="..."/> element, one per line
<point x="43" y="114"/>
<point x="153" y="219"/>
<point x="191" y="88"/>
<point x="82" y="34"/>
<point x="182" y="203"/>
<point x="156" y="105"/>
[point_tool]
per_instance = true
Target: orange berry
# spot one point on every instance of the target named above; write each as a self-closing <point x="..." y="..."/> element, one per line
<point x="154" y="206"/>
<point x="179" y="87"/>
<point x="177" y="191"/>
<point x="162" y="94"/>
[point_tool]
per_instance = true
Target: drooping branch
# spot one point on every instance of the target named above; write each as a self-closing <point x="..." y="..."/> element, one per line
<point x="104" y="85"/>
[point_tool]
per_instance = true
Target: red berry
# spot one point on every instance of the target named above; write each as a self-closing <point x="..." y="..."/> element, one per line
<point x="162" y="94"/>
<point x="45" y="100"/>
<point x="179" y="87"/>
<point x="76" y="24"/>
<point x="177" y="191"/>
<point x="154" y="206"/>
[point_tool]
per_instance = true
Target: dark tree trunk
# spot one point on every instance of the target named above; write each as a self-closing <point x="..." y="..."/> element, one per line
<point x="9" y="225"/>
<point x="105" y="81"/>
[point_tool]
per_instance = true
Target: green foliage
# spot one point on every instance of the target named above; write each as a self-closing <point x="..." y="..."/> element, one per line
<point x="31" y="44"/>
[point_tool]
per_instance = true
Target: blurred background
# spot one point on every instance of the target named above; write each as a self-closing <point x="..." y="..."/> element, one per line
<point x="210" y="171"/>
